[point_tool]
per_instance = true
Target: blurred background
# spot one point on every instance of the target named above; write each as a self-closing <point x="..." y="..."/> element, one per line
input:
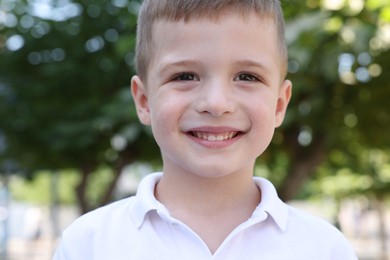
<point x="70" y="140"/>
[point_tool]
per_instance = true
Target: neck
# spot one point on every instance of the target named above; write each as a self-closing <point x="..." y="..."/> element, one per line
<point x="211" y="207"/>
<point x="201" y="195"/>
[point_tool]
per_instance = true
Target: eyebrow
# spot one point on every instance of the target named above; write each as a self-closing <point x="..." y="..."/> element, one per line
<point x="167" y="65"/>
<point x="253" y="63"/>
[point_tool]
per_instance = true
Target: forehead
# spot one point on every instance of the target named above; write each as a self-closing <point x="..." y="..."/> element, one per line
<point x="244" y="18"/>
<point x="231" y="36"/>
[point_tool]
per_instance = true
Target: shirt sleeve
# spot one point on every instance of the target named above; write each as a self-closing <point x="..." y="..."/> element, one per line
<point x="75" y="244"/>
<point x="60" y="253"/>
<point x="343" y="250"/>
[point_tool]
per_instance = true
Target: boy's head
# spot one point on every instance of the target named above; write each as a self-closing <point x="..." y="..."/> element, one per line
<point x="175" y="10"/>
<point x="211" y="83"/>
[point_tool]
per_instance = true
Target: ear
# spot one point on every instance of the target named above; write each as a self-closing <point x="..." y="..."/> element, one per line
<point x="283" y="100"/>
<point x="140" y="98"/>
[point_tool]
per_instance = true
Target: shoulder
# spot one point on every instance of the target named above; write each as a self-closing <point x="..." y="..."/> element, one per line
<point x="110" y="229"/>
<point x="302" y="220"/>
<point x="95" y="219"/>
<point x="103" y="226"/>
<point x="86" y="236"/>
<point x="99" y="223"/>
<point x="320" y="234"/>
<point x="131" y="209"/>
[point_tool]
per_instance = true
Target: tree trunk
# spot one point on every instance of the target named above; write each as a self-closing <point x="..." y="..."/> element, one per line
<point x="303" y="162"/>
<point x="81" y="190"/>
<point x="126" y="157"/>
<point x="107" y="196"/>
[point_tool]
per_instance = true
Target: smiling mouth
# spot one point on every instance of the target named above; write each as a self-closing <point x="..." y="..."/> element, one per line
<point x="214" y="137"/>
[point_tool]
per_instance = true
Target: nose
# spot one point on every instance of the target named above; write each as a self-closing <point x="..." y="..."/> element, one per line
<point x="216" y="98"/>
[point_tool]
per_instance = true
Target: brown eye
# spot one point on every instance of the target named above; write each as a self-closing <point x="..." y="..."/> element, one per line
<point x="185" y="77"/>
<point x="246" y="77"/>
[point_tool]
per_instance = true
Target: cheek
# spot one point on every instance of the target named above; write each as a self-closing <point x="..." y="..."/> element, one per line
<point x="263" y="120"/>
<point x="161" y="129"/>
<point x="263" y="108"/>
<point x="165" y="114"/>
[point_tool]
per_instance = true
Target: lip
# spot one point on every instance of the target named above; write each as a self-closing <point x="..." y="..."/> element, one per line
<point x="214" y="137"/>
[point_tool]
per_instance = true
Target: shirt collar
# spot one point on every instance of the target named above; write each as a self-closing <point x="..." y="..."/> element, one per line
<point x="271" y="203"/>
<point x="145" y="201"/>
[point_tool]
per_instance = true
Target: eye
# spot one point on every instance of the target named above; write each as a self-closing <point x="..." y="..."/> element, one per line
<point x="185" y="77"/>
<point x="246" y="77"/>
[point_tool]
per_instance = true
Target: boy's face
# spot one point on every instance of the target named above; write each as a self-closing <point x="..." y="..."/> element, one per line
<point x="214" y="93"/>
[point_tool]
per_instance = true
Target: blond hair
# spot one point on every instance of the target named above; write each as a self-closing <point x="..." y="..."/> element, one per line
<point x="176" y="10"/>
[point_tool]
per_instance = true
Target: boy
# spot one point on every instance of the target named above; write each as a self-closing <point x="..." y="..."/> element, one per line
<point x="211" y="85"/>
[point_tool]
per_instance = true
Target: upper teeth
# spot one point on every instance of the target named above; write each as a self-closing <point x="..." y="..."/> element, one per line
<point x="214" y="137"/>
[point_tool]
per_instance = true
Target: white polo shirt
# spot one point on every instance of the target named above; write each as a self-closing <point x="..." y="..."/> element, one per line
<point x="141" y="228"/>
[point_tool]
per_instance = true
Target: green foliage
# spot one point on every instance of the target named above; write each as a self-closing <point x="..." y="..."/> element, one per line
<point x="338" y="57"/>
<point x="65" y="101"/>
<point x="39" y="190"/>
<point x="64" y="84"/>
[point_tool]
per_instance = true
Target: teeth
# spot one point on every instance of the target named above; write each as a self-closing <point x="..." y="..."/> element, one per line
<point x="214" y="137"/>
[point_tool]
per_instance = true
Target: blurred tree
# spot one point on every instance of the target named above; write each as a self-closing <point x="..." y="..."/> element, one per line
<point x="64" y="88"/>
<point x="338" y="54"/>
<point x="65" y="68"/>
